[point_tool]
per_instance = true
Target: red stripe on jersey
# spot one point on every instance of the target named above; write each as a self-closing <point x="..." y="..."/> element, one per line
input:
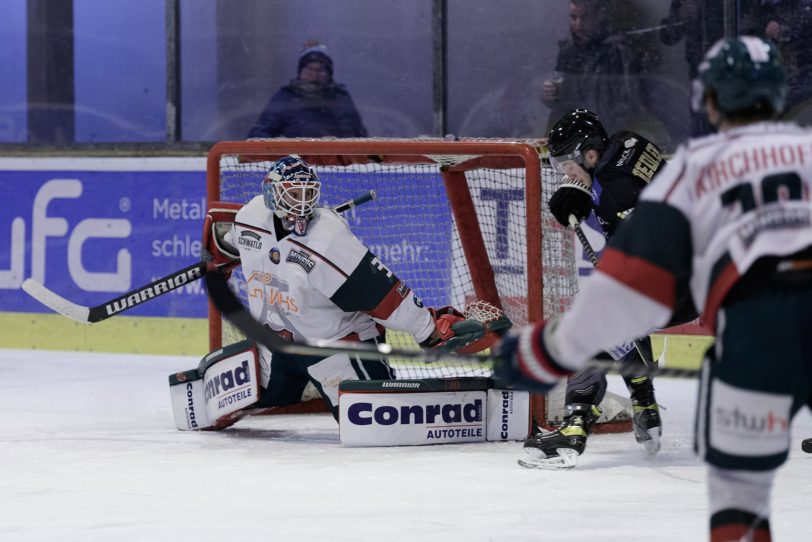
<point x="253" y="228"/>
<point x="717" y="292"/>
<point x="319" y="256"/>
<point x="390" y="302"/>
<point x="539" y="358"/>
<point x="739" y="531"/>
<point x="641" y="275"/>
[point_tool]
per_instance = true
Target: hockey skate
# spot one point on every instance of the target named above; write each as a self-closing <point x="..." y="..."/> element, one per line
<point x="560" y="449"/>
<point x="646" y="416"/>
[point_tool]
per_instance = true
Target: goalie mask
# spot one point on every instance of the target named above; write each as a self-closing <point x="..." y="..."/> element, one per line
<point x="291" y="190"/>
<point x="577" y="132"/>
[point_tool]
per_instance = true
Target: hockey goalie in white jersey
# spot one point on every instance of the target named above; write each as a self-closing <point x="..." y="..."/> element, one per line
<point x="308" y="278"/>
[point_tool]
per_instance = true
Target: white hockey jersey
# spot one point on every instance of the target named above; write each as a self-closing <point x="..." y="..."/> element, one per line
<point x="722" y="202"/>
<point x="325" y="285"/>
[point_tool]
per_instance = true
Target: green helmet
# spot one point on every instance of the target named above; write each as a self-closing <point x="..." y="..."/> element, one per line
<point x="742" y="72"/>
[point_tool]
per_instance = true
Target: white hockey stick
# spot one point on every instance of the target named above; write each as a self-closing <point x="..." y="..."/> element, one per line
<point x="142" y="294"/>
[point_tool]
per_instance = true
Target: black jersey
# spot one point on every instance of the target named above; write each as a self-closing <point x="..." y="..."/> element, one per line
<point x="628" y="165"/>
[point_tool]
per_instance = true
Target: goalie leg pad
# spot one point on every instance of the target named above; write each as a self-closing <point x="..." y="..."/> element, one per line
<point x="188" y="402"/>
<point x="230" y="382"/>
<point x="218" y="392"/>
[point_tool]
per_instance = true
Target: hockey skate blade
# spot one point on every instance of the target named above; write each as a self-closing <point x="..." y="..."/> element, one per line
<point x="654" y="442"/>
<point x="565" y="459"/>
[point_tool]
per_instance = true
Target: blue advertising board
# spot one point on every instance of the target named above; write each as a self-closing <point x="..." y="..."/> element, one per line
<point x="92" y="234"/>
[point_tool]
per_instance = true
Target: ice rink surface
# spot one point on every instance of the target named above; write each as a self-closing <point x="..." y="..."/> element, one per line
<point x="89" y="452"/>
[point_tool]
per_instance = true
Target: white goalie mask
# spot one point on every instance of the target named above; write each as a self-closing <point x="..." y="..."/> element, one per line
<point x="292" y="190"/>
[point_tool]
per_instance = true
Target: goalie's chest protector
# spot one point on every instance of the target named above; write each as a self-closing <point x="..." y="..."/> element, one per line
<point x="289" y="279"/>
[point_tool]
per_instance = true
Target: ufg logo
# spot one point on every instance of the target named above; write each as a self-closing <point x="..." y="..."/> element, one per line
<point x="44" y="226"/>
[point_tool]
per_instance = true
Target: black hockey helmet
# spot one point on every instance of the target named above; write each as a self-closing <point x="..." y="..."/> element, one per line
<point x="575" y="133"/>
<point x="743" y="72"/>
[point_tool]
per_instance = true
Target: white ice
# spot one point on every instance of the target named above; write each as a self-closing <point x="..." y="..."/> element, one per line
<point x="88" y="451"/>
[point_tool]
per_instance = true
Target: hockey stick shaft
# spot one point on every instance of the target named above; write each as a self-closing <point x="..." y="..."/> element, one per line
<point x="142" y="294"/>
<point x="355" y="202"/>
<point x="593" y="258"/>
<point x="590" y="252"/>
<point x="232" y="308"/>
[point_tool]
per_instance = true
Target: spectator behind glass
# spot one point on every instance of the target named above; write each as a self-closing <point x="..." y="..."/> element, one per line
<point x="596" y="69"/>
<point x="701" y="23"/>
<point x="312" y="105"/>
<point x="788" y="25"/>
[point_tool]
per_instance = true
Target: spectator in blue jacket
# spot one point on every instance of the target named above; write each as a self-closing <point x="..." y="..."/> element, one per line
<point x="312" y="105"/>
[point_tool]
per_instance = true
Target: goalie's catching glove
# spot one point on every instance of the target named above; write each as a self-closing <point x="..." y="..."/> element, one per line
<point x="452" y="330"/>
<point x="572" y="198"/>
<point x="525" y="360"/>
<point x="494" y="320"/>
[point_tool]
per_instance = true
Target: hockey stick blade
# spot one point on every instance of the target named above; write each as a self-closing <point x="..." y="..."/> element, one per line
<point x="232" y="308"/>
<point x="56" y="302"/>
<point x="133" y="298"/>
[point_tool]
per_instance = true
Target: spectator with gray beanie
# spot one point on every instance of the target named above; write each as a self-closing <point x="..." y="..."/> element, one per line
<point x="312" y="104"/>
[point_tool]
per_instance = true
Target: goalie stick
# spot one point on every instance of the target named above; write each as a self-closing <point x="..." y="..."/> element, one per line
<point x="232" y="308"/>
<point x="142" y="294"/>
<point x="593" y="258"/>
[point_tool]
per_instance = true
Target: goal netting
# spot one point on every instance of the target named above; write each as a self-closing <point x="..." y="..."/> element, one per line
<point x="458" y="221"/>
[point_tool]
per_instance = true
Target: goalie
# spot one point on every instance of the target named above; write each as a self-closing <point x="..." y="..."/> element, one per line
<point x="308" y="278"/>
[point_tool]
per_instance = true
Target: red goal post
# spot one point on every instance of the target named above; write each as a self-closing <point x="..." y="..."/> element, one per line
<point x="457" y="220"/>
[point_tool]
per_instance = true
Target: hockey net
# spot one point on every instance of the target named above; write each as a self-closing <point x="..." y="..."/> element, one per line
<point x="458" y="221"/>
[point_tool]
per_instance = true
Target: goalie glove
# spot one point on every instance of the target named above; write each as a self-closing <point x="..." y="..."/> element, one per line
<point x="495" y="322"/>
<point x="452" y="330"/>
<point x="218" y="223"/>
<point x="572" y="198"/>
<point x="525" y="359"/>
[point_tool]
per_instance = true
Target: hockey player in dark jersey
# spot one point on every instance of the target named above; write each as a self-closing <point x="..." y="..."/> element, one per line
<point x="605" y="175"/>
